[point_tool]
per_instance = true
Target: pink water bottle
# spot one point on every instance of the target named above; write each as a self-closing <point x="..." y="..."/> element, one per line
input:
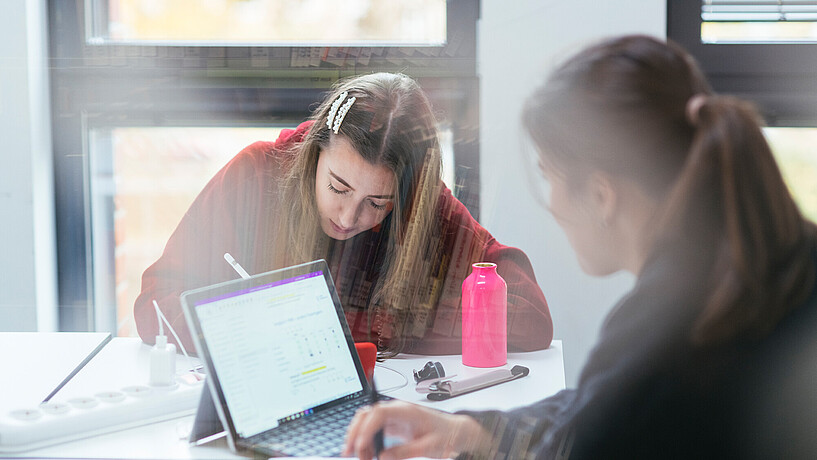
<point x="484" y="317"/>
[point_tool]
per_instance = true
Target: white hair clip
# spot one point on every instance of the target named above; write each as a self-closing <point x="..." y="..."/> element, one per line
<point x="342" y="113"/>
<point x="334" y="109"/>
<point x="338" y="112"/>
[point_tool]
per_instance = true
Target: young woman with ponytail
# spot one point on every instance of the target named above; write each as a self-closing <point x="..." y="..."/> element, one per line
<point x="653" y="173"/>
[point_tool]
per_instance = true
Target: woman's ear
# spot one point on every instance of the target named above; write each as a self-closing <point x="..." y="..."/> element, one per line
<point x="604" y="196"/>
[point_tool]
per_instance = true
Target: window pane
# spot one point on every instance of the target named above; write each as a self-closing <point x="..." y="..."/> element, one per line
<point x="758" y="21"/>
<point x="265" y="22"/>
<point x="143" y="180"/>
<point x="758" y="32"/>
<point x="794" y="149"/>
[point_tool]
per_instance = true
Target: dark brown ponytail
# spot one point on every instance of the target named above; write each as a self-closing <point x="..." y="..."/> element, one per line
<point x="763" y="266"/>
<point x="623" y="107"/>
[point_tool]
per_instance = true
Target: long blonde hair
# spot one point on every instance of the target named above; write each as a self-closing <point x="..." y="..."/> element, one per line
<point x="391" y="123"/>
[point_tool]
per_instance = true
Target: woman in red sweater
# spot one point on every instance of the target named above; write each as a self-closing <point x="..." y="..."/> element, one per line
<point x="358" y="185"/>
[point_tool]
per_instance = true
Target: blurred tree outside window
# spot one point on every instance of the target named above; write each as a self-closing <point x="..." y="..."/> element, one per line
<point x="758" y="32"/>
<point x="796" y="152"/>
<point x="286" y="22"/>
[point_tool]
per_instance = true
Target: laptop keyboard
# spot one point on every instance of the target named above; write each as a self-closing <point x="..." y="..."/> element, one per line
<point x="321" y="434"/>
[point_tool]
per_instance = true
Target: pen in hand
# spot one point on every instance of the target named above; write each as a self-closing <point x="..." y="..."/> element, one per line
<point x="378" y="437"/>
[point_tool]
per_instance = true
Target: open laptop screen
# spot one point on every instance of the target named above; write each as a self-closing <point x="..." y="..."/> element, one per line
<point x="279" y="350"/>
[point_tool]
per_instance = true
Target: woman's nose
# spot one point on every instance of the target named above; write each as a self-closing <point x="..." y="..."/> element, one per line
<point x="348" y="216"/>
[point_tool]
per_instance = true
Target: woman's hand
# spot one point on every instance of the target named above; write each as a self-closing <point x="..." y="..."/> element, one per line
<point x="425" y="432"/>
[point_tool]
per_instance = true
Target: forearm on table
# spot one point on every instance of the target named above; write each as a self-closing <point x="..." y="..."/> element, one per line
<point x="530" y="326"/>
<point x="516" y="433"/>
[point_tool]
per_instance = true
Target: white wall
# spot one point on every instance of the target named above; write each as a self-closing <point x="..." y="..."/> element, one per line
<point x="518" y="41"/>
<point x="28" y="272"/>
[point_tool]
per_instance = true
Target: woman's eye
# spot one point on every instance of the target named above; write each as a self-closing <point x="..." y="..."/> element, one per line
<point x="379" y="207"/>
<point x="334" y="190"/>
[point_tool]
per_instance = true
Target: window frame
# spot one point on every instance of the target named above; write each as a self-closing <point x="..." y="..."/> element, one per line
<point x="779" y="77"/>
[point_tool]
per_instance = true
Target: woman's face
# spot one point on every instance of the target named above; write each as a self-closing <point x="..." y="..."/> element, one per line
<point x="352" y="194"/>
<point x="580" y="214"/>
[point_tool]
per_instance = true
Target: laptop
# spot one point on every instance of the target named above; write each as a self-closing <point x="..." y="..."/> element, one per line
<point x="281" y="364"/>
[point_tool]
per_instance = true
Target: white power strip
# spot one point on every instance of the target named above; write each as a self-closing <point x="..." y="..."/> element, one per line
<point x="56" y="422"/>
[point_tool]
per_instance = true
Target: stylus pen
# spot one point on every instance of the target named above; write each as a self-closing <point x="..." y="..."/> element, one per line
<point x="79" y="367"/>
<point x="378" y="437"/>
<point x="238" y="268"/>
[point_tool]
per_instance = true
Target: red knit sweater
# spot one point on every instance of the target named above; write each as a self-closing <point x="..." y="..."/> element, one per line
<point x="233" y="212"/>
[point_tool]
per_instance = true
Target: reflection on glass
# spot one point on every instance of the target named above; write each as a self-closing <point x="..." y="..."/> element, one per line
<point x="288" y="22"/>
<point x="143" y="179"/>
<point x="796" y="153"/>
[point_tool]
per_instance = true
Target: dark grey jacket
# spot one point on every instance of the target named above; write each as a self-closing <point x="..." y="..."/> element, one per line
<point x="647" y="392"/>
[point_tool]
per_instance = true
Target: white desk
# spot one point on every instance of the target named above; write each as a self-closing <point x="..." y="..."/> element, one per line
<point x="124" y="362"/>
<point x="547" y="376"/>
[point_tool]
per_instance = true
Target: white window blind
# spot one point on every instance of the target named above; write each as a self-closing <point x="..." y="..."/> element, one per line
<point x="758" y="21"/>
<point x="758" y="10"/>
